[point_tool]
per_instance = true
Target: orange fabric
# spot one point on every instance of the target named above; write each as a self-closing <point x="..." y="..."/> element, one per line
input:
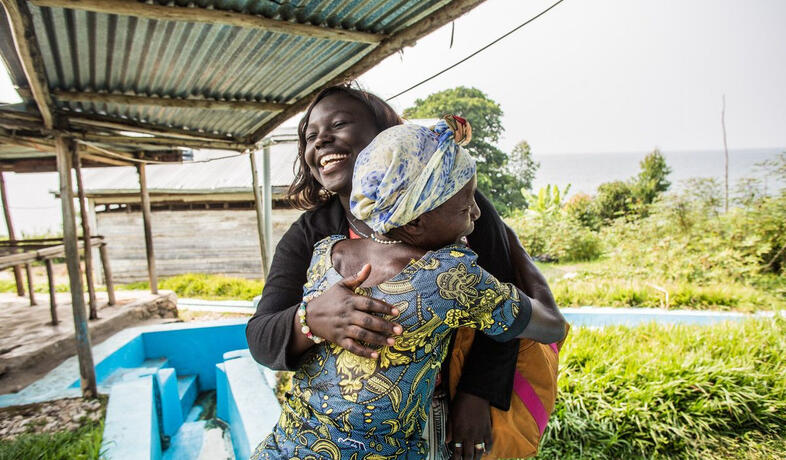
<point x="514" y="432"/>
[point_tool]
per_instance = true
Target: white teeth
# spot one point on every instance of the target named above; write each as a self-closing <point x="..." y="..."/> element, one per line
<point x="332" y="157"/>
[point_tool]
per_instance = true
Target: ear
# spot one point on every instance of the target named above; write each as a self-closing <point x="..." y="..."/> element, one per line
<point x="414" y="228"/>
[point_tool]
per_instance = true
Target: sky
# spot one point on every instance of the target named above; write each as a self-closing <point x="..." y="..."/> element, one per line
<point x="609" y="75"/>
<point x="613" y="75"/>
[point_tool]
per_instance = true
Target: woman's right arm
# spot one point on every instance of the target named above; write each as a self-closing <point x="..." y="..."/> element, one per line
<point x="338" y="315"/>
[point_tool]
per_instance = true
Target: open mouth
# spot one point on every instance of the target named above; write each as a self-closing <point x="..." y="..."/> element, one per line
<point x="332" y="161"/>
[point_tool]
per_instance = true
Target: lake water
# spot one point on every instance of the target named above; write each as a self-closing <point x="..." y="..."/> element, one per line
<point x="586" y="171"/>
<point x="34" y="209"/>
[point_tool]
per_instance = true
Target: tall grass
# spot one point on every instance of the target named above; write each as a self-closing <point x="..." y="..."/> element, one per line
<point x="204" y="286"/>
<point x="84" y="443"/>
<point x="672" y="392"/>
<point x="617" y="292"/>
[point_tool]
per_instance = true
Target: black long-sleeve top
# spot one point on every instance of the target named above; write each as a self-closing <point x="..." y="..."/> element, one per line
<point x="489" y="367"/>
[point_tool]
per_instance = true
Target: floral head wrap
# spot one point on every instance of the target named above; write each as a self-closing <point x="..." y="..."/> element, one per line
<point x="409" y="170"/>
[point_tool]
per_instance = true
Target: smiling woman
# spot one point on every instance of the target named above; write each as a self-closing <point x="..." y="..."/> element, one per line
<point x="336" y="127"/>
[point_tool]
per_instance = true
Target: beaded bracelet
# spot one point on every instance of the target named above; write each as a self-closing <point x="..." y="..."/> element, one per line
<point x="301" y="314"/>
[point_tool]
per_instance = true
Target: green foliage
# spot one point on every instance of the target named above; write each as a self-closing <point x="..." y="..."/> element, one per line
<point x="549" y="199"/>
<point x="651" y="180"/>
<point x="84" y="443"/>
<point x="495" y="178"/>
<point x="671" y="392"/>
<point x="581" y="208"/>
<point x="614" y="199"/>
<point x="203" y="286"/>
<point x="522" y="165"/>
<point x="554" y="236"/>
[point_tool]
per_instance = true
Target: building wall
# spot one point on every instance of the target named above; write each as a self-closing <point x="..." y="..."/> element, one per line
<point x="212" y="241"/>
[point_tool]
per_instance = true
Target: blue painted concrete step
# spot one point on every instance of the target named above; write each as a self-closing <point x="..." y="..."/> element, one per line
<point x="186" y="391"/>
<point x="203" y="440"/>
<point x="122" y="374"/>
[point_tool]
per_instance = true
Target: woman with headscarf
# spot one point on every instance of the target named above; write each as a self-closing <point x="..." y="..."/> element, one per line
<point x="415" y="189"/>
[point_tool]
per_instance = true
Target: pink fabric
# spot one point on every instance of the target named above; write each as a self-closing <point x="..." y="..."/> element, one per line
<point x="531" y="401"/>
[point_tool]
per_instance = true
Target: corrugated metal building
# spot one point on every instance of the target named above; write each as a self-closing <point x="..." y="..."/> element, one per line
<point x="203" y="216"/>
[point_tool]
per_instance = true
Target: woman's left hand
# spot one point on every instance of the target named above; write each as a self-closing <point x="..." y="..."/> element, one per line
<point x="469" y="424"/>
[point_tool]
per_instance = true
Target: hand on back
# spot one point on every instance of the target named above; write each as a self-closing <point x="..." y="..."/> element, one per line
<point x="347" y="319"/>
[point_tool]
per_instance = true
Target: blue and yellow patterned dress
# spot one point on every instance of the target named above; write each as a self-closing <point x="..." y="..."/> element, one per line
<point x="344" y="406"/>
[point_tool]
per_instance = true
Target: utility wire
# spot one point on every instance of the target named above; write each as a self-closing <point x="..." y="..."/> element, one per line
<point x="476" y="52"/>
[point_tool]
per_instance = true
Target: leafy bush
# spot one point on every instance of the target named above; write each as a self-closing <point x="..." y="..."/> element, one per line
<point x="200" y="285"/>
<point x="555" y="236"/>
<point x="671" y="391"/>
<point x="614" y="199"/>
<point x="581" y="208"/>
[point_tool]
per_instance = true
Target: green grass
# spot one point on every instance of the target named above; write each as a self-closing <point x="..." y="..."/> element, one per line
<point x="603" y="283"/>
<point x="672" y="392"/>
<point x="203" y="286"/>
<point x="10" y="286"/>
<point x="84" y="443"/>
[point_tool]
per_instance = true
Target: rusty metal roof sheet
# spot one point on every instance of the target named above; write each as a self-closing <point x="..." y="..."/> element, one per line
<point x="90" y="54"/>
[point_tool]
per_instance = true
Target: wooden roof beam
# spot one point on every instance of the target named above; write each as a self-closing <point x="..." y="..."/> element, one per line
<point x="30" y="57"/>
<point x="212" y="16"/>
<point x="210" y="104"/>
<point x="143" y="141"/>
<point x="387" y="47"/>
<point x="124" y="124"/>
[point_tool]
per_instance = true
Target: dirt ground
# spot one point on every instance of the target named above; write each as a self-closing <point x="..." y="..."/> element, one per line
<point x="50" y="416"/>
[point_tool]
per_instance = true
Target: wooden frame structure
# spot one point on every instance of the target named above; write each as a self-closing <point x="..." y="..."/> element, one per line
<point x="164" y="76"/>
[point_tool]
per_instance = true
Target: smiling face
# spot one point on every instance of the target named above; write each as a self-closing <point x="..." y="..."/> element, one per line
<point x="451" y="220"/>
<point x="338" y="128"/>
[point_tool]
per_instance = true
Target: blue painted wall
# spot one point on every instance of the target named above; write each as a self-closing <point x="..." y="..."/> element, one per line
<point x="196" y="351"/>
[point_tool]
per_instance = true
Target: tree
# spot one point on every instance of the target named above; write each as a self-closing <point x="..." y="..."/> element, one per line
<point x="522" y="166"/>
<point x="651" y="180"/>
<point x="494" y="179"/>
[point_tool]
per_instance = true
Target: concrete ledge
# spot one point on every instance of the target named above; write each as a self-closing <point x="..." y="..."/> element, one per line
<point x="131" y="425"/>
<point x="37" y="347"/>
<point x="249" y="404"/>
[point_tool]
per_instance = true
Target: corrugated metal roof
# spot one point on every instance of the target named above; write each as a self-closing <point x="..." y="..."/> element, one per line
<point x="95" y="52"/>
<point x="226" y="175"/>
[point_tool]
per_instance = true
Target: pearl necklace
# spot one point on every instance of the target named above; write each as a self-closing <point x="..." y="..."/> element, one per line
<point x="355" y="229"/>
<point x="377" y="240"/>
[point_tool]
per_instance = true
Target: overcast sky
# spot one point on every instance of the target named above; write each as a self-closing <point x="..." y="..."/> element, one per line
<point x="612" y="75"/>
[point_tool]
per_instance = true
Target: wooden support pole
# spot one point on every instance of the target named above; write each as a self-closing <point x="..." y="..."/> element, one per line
<point x="146" y="218"/>
<point x="50" y="275"/>
<point x="267" y="202"/>
<point x="110" y="285"/>
<point x="30" y="284"/>
<point x="186" y="103"/>
<point x="20" y="287"/>
<point x="259" y="210"/>
<point x="86" y="368"/>
<point x="211" y="16"/>
<point x="88" y="251"/>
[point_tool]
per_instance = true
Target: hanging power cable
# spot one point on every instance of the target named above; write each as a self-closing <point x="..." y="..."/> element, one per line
<point x="476" y="52"/>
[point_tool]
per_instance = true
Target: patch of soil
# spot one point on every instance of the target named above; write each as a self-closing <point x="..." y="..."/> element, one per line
<point x="50" y="416"/>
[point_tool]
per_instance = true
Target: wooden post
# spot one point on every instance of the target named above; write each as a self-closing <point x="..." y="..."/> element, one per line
<point x="258" y="208"/>
<point x="146" y="218"/>
<point x="30" y="284"/>
<point x="110" y="286"/>
<point x="88" y="251"/>
<point x="267" y="202"/>
<point x="20" y="286"/>
<point x="50" y="275"/>
<point x="87" y="373"/>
